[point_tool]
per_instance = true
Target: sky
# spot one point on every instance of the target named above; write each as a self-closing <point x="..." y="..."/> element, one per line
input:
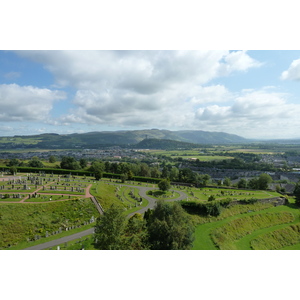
<point x="254" y="94"/>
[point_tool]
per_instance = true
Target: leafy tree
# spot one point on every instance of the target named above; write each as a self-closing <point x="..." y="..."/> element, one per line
<point x="123" y="177"/>
<point x="227" y="181"/>
<point x="109" y="229"/>
<point x="83" y="163"/>
<point x="203" y="179"/>
<point x="169" y="227"/>
<point x="135" y="233"/>
<point x="13" y="170"/>
<point x="186" y="175"/>
<point x="35" y="163"/>
<point x="97" y="168"/>
<point x="13" y="162"/>
<point x="52" y="159"/>
<point x="154" y="172"/>
<point x="69" y="163"/>
<point x="242" y="183"/>
<point x="253" y="184"/>
<point x="130" y="175"/>
<point x="174" y="174"/>
<point x="211" y="198"/>
<point x="214" y="209"/>
<point x="164" y="185"/>
<point x="263" y="181"/>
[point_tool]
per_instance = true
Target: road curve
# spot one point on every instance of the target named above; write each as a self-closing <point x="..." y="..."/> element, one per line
<point x="142" y="192"/>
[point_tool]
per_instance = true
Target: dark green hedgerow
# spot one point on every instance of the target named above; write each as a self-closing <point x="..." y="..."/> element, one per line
<point x="213" y="208"/>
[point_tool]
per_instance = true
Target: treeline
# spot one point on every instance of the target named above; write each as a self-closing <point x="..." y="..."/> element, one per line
<point x="138" y="171"/>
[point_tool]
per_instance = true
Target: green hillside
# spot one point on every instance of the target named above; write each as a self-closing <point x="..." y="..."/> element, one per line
<point x="110" y="138"/>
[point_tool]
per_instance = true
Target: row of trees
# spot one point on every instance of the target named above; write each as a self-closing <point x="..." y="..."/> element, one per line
<point x="166" y="227"/>
<point x="129" y="170"/>
<point x="257" y="183"/>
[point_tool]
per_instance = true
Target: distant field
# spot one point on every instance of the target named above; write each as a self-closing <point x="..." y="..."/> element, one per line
<point x="189" y="154"/>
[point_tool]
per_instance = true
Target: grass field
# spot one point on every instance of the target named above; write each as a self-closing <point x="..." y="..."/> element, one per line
<point x="286" y="214"/>
<point x="33" y="221"/>
<point x="109" y="194"/>
<point x="202" y="194"/>
<point x="189" y="154"/>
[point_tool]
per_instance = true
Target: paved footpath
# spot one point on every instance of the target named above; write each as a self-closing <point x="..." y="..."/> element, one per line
<point x="62" y="240"/>
<point x="142" y="193"/>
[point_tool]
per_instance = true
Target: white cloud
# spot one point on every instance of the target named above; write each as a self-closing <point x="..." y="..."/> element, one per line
<point x="215" y="93"/>
<point x="240" y="61"/>
<point x="26" y="103"/>
<point x="140" y="87"/>
<point x="253" y="114"/>
<point x="293" y="72"/>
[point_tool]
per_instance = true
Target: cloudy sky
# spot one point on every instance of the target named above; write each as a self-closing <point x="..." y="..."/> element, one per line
<point x="254" y="94"/>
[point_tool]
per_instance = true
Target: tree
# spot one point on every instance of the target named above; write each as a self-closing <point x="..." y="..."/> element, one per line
<point x="135" y="233"/>
<point x="227" y="181"/>
<point x="211" y="198"/>
<point x="253" y="184"/>
<point x="35" y="163"/>
<point x="242" y="183"/>
<point x="164" y="185"/>
<point x="97" y="168"/>
<point x="109" y="229"/>
<point x="83" y="163"/>
<point x="13" y="170"/>
<point x="169" y="227"/>
<point x="203" y="179"/>
<point x="69" y="163"/>
<point x="123" y="177"/>
<point x="174" y="174"/>
<point x="14" y="162"/>
<point x="263" y="181"/>
<point x="52" y="159"/>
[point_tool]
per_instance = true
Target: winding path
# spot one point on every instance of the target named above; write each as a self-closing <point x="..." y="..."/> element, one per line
<point x="142" y="192"/>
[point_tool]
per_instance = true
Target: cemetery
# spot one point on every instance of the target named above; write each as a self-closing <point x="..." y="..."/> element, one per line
<point x="26" y="187"/>
<point x="37" y="207"/>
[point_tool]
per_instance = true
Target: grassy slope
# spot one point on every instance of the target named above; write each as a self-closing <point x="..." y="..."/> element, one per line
<point x="19" y="222"/>
<point x="106" y="195"/>
<point x="202" y="233"/>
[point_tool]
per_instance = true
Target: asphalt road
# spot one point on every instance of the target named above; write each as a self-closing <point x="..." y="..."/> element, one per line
<point x="142" y="193"/>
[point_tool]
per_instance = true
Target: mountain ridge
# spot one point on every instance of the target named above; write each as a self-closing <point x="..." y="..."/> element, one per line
<point x="121" y="138"/>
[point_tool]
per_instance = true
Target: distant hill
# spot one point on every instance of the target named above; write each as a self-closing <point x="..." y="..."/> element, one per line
<point x="110" y="138"/>
<point x="164" y="144"/>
